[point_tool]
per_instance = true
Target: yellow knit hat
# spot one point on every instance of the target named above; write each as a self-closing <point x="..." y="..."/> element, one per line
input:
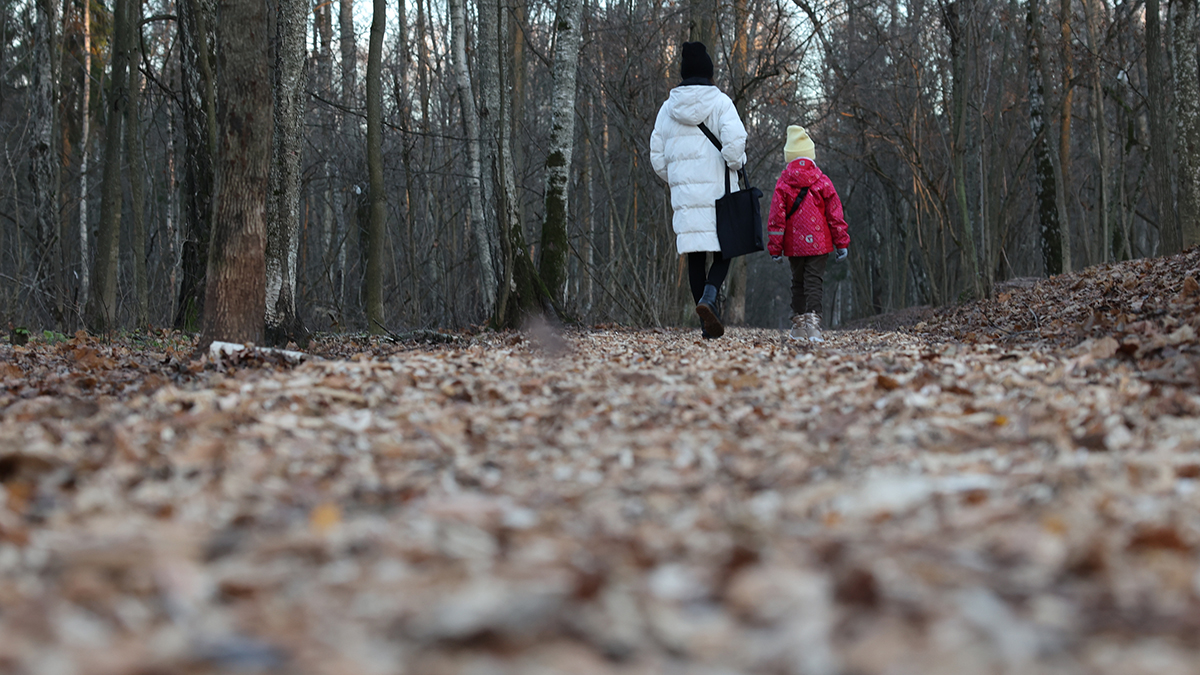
<point x="798" y="145"/>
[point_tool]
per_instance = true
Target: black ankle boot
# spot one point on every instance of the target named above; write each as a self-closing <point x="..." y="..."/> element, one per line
<point x="707" y="311"/>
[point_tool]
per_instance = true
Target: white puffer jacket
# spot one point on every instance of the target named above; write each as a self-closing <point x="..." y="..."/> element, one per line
<point x="684" y="157"/>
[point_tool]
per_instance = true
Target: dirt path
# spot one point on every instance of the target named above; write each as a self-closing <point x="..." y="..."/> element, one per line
<point x="641" y="502"/>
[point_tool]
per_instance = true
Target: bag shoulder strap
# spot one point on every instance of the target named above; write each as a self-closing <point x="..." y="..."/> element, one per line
<point x="711" y="136"/>
<point x="799" y="200"/>
<point x="715" y="141"/>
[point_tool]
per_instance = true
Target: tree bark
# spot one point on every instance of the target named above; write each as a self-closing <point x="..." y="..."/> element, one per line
<point x="85" y="119"/>
<point x="701" y="26"/>
<point x="1099" y="132"/>
<point x="137" y="168"/>
<point x="44" y="165"/>
<point x="235" y="302"/>
<point x="552" y="264"/>
<point x="283" y="204"/>
<point x="960" y="50"/>
<point x="376" y="227"/>
<point x="344" y="208"/>
<point x="519" y="290"/>
<point x="1160" y="134"/>
<point x="1045" y="186"/>
<point x="199" y="87"/>
<point x="1187" y="108"/>
<point x="466" y="98"/>
<point x="100" y="314"/>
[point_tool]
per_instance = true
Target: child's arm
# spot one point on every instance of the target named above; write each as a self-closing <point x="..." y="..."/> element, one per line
<point x="777" y="217"/>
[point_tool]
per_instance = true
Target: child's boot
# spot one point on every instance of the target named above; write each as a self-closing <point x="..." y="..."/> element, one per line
<point x="707" y="311"/>
<point x="799" y="329"/>
<point x="813" y="324"/>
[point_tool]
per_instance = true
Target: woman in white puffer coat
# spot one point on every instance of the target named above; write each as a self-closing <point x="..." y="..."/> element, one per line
<point x="691" y="164"/>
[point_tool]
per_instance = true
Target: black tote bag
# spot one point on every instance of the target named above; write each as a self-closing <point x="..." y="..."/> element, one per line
<point x="739" y="216"/>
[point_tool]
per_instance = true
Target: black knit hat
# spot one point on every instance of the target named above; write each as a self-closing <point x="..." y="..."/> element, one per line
<point x="695" y="61"/>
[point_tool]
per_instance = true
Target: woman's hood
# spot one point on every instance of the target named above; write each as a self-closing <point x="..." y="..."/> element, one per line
<point x="692" y="104"/>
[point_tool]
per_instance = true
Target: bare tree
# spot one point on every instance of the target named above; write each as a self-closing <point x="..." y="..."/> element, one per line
<point x="1187" y="108"/>
<point x="283" y="204"/>
<point x="85" y="119"/>
<point x="137" y="168"/>
<point x="552" y="264"/>
<point x="376" y="227"/>
<point x="199" y="87"/>
<point x="1051" y="228"/>
<point x="235" y="302"/>
<point x="1157" y="77"/>
<point x="474" y="188"/>
<point x="100" y="314"/>
<point x="43" y="174"/>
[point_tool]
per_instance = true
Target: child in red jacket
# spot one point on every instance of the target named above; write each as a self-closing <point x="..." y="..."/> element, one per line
<point x="805" y="224"/>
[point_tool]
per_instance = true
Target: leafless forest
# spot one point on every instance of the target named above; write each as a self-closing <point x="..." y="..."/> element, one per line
<point x="449" y="165"/>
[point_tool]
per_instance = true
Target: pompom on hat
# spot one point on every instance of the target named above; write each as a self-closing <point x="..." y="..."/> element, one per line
<point x="696" y="62"/>
<point x="798" y="145"/>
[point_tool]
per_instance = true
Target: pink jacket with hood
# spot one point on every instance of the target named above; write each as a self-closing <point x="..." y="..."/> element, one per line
<point x="818" y="226"/>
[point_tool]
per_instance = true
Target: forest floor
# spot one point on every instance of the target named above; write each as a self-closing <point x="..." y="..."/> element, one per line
<point x="1009" y="486"/>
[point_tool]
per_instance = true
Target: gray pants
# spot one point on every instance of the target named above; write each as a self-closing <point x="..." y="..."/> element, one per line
<point x="808" y="282"/>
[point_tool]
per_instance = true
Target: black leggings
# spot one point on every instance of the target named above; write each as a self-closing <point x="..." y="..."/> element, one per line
<point x="715" y="275"/>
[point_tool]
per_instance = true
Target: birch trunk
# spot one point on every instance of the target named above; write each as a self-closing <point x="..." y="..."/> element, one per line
<point x="85" y="119"/>
<point x="1187" y="107"/>
<point x="518" y="290"/>
<point x="283" y="204"/>
<point x="236" y="293"/>
<point x="100" y="314"/>
<point x="373" y="279"/>
<point x="554" y="245"/>
<point x="43" y="170"/>
<point x="1045" y="186"/>
<point x="466" y="98"/>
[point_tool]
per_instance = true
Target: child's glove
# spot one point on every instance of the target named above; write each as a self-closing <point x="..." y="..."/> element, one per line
<point x="841" y="254"/>
<point x="776" y="258"/>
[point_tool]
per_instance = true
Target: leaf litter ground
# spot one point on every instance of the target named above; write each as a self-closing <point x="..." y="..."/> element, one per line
<point x="1008" y="486"/>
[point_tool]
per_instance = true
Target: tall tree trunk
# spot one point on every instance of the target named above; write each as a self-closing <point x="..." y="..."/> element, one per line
<point x="100" y="314"/>
<point x="519" y="288"/>
<point x="344" y="206"/>
<point x="466" y="99"/>
<point x="552" y="264"/>
<point x="1099" y="131"/>
<point x="199" y="87"/>
<point x="1045" y="187"/>
<point x="44" y="165"/>
<point x="234" y="307"/>
<point x="960" y="51"/>
<point x="137" y="168"/>
<point x="85" y="119"/>
<point x="1066" y="109"/>
<point x="378" y="202"/>
<point x="701" y="25"/>
<point x="1187" y="108"/>
<point x="283" y="204"/>
<point x="1160" y="133"/>
<point x="517" y="71"/>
